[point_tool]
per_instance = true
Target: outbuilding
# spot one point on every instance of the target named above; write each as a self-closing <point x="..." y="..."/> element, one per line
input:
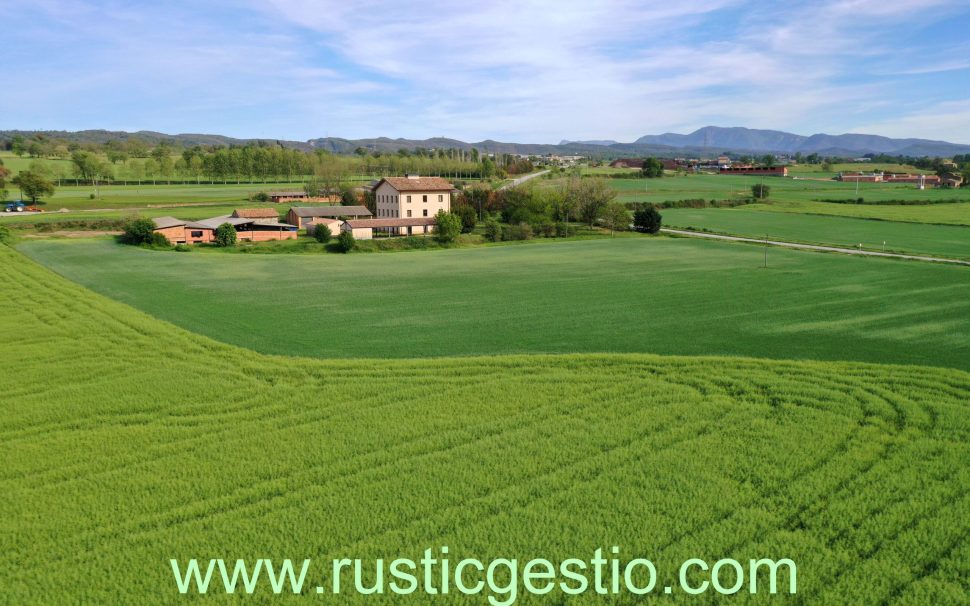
<point x="301" y="215"/>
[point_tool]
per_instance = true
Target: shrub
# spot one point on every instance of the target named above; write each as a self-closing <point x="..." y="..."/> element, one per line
<point x="259" y="196"/>
<point x="448" y="227"/>
<point x="564" y="230"/>
<point x="760" y="192"/>
<point x="322" y="233"/>
<point x="468" y="218"/>
<point x="522" y="231"/>
<point x="348" y="197"/>
<point x="90" y="196"/>
<point x="159" y="240"/>
<point x="493" y="231"/>
<point x="346" y="241"/>
<point x="182" y="248"/>
<point x="546" y="229"/>
<point x="138" y="231"/>
<point x="647" y="220"/>
<point x="226" y="235"/>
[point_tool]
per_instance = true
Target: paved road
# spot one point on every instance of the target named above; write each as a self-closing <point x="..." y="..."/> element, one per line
<point x="848" y="251"/>
<point x="522" y="180"/>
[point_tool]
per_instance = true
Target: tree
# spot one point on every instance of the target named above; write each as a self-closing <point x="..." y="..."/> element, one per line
<point x="590" y="198"/>
<point x="346" y="241"/>
<point x="647" y="220"/>
<point x="652" y="168"/>
<point x="760" y="191"/>
<point x="18" y="146"/>
<point x="768" y="160"/>
<point x="616" y="216"/>
<point x="349" y="197"/>
<point x="33" y="186"/>
<point x="448" y="227"/>
<point x="468" y="216"/>
<point x="4" y="173"/>
<point x="138" y="231"/>
<point x="226" y="235"/>
<point x="322" y="233"/>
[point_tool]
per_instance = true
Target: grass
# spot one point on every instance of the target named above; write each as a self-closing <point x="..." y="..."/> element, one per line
<point x="17" y="221"/>
<point x="940" y="240"/>
<point x="728" y="187"/>
<point x="659" y="295"/>
<point x="941" y="214"/>
<point x="127" y="441"/>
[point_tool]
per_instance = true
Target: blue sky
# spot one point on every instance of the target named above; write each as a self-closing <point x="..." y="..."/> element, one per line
<point x="514" y="71"/>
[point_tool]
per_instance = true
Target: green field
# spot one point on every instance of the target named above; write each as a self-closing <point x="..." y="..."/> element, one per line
<point x="939" y="240"/>
<point x="127" y="441"/>
<point x="735" y="187"/>
<point x="137" y="196"/>
<point x="942" y="214"/>
<point x="659" y="295"/>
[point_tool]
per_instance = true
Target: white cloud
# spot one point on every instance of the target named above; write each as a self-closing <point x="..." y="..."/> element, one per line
<point x="948" y="121"/>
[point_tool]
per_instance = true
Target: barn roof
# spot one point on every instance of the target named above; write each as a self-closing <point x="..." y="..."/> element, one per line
<point x="256" y="213"/>
<point x="399" y="222"/>
<point x="166" y="222"/>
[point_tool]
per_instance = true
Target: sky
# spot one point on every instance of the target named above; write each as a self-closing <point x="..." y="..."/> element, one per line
<point x="529" y="72"/>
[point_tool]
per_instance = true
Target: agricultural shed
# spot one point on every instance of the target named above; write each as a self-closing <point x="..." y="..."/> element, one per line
<point x="363" y="229"/>
<point x="301" y="215"/>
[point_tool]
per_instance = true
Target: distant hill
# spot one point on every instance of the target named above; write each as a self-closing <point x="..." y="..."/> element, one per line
<point x="707" y="141"/>
<point x="755" y="140"/>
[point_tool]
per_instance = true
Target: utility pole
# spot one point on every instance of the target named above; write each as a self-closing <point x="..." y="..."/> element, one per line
<point x="766" y="251"/>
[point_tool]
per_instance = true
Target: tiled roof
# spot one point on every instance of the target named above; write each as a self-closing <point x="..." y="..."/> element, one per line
<point x="417" y="183"/>
<point x="331" y="211"/>
<point x="256" y="213"/>
<point x="399" y="222"/>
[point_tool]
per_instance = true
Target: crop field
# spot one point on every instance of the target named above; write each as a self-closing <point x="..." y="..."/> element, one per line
<point x="957" y="213"/>
<point x="728" y="187"/>
<point x="940" y="240"/>
<point x="127" y="441"/>
<point x="134" y="196"/>
<point x="637" y="294"/>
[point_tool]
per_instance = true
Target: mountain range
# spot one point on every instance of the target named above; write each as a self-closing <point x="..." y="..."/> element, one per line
<point x="710" y="140"/>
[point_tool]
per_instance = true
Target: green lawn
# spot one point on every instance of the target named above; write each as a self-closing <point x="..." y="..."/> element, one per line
<point x="660" y="295"/>
<point x="127" y="441"/>
<point x="940" y="240"/>
<point x="18" y="220"/>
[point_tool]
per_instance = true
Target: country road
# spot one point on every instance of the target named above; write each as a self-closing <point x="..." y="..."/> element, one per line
<point x="848" y="251"/>
<point x="523" y="179"/>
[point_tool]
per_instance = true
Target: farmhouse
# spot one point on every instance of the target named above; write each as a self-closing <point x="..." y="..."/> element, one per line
<point x="411" y="197"/>
<point x="178" y="231"/>
<point x="768" y="171"/>
<point x="363" y="229"/>
<point x="920" y="180"/>
<point x="301" y="215"/>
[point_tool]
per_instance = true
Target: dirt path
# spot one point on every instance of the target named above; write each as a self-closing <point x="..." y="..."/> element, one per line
<point x="837" y="249"/>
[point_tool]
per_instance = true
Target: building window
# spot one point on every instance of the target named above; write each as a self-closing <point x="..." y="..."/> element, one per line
<point x="197" y="234"/>
<point x="441" y="198"/>
<point x="424" y="198"/>
<point x="409" y="199"/>
<point x="409" y="212"/>
<point x="426" y="212"/>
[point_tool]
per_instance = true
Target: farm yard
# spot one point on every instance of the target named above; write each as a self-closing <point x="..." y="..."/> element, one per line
<point x="857" y="472"/>
<point x="668" y="296"/>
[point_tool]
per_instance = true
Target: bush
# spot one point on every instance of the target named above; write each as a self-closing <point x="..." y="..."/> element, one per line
<point x="468" y="216"/>
<point x="647" y="220"/>
<point x="159" y="240"/>
<point x="346" y="241"/>
<point x="493" y="231"/>
<point x="226" y="235"/>
<point x="522" y="231"/>
<point x="259" y="196"/>
<point x="348" y="197"/>
<point x="322" y="233"/>
<point x="448" y="227"/>
<point x="546" y="229"/>
<point x="564" y="230"/>
<point x="90" y="196"/>
<point x="760" y="192"/>
<point x="138" y="231"/>
<point x="182" y="248"/>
